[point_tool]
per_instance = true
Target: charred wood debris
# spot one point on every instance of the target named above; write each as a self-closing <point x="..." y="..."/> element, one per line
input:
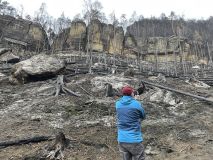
<point x="104" y="64"/>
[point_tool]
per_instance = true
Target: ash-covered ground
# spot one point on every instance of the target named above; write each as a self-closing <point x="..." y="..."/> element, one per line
<point x="177" y="127"/>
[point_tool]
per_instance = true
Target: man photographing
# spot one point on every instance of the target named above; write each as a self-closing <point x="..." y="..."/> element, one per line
<point x="130" y="113"/>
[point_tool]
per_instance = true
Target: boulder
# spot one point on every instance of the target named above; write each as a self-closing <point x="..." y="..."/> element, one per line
<point x="198" y="84"/>
<point x="22" y="33"/>
<point x="166" y="97"/>
<point x="37" y="67"/>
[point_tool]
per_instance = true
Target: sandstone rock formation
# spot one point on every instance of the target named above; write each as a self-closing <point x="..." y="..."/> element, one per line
<point x="22" y="33"/>
<point x="97" y="36"/>
<point x="59" y="43"/>
<point x="77" y="35"/>
<point x="130" y="41"/>
<point x="105" y="38"/>
<point x="116" y="41"/>
<point x="95" y="42"/>
<point x="169" y="44"/>
<point x="72" y="38"/>
<point x="39" y="66"/>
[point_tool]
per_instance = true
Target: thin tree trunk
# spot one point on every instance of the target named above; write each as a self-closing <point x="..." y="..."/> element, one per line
<point x="209" y="53"/>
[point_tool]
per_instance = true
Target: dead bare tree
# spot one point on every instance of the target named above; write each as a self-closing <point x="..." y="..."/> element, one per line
<point x="115" y="23"/>
<point x="92" y="11"/>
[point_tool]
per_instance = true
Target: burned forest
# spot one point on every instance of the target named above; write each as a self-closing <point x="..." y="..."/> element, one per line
<point x="58" y="86"/>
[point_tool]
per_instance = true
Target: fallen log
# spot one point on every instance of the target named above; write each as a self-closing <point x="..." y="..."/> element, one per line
<point x="178" y="91"/>
<point x="85" y="90"/>
<point x="35" y="139"/>
<point x="4" y="50"/>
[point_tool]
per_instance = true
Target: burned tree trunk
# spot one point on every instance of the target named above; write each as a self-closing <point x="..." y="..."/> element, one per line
<point x="35" y="139"/>
<point x="58" y="147"/>
<point x="109" y="90"/>
<point x="61" y="87"/>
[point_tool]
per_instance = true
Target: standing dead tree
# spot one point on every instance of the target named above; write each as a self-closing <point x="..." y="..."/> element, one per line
<point x="92" y="11"/>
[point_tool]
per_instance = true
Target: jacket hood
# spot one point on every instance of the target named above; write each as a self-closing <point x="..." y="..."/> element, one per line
<point x="125" y="100"/>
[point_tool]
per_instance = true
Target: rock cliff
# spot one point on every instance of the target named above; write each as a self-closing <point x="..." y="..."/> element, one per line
<point x="22" y="33"/>
<point x="97" y="36"/>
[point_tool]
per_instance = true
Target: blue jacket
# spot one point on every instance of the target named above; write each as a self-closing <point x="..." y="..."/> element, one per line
<point x="129" y="115"/>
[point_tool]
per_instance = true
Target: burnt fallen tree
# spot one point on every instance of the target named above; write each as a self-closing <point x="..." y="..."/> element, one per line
<point x="178" y="91"/>
<point x="5" y="50"/>
<point x="52" y="151"/>
<point x="34" y="139"/>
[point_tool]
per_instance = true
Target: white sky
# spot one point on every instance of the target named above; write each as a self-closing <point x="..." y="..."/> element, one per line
<point x="190" y="8"/>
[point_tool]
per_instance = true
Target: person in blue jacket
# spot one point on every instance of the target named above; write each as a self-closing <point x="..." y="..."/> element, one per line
<point x="129" y="114"/>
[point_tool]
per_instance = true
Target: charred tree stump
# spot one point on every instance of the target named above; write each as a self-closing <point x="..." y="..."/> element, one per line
<point x="61" y="87"/>
<point x="109" y="90"/>
<point x="129" y="73"/>
<point x="57" y="149"/>
<point x="54" y="150"/>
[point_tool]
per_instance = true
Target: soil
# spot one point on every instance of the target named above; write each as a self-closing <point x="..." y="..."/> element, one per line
<point x="183" y="131"/>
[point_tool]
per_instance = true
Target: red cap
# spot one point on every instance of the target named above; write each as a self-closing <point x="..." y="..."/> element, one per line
<point x="127" y="90"/>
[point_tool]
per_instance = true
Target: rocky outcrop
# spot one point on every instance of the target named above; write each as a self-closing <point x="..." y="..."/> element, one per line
<point x="152" y="45"/>
<point x="116" y="41"/>
<point x="97" y="36"/>
<point x="105" y="37"/>
<point x="169" y="44"/>
<point x="95" y="30"/>
<point x="165" y="47"/>
<point x="130" y="46"/>
<point x="151" y="35"/>
<point x="60" y="41"/>
<point x="77" y="35"/>
<point x="22" y="33"/>
<point x="130" y="41"/>
<point x="39" y="66"/>
<point x="72" y="38"/>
